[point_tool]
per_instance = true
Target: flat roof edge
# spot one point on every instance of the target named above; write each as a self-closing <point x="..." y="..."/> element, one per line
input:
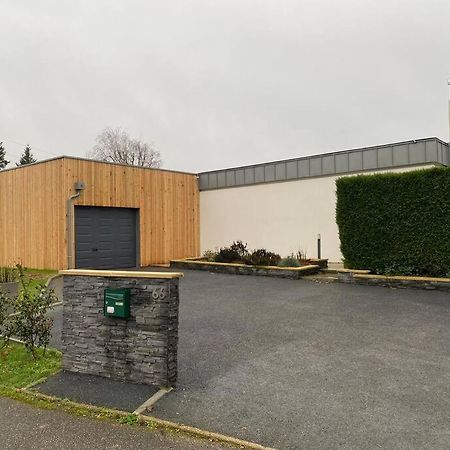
<point x="318" y="155"/>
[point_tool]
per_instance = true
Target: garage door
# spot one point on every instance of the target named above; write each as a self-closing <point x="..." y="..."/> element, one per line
<point x="105" y="237"/>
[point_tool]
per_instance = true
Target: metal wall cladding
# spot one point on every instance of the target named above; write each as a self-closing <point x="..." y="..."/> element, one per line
<point x="400" y="154"/>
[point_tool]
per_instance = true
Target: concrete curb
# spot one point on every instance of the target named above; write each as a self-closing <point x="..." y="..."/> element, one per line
<point x="151" y="420"/>
<point x="208" y="434"/>
<point x="51" y="279"/>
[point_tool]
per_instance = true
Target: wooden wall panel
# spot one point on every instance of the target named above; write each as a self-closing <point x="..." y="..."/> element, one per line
<point x="32" y="230"/>
<point x="33" y="209"/>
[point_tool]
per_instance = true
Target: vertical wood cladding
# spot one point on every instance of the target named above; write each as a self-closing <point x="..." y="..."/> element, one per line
<point x="33" y="209"/>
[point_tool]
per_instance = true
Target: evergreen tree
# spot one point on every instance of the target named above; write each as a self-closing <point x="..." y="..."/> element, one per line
<point x="27" y="157"/>
<point x="3" y="162"/>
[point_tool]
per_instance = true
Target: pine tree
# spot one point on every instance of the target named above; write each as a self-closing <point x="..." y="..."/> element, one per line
<point x="26" y="158"/>
<point x="3" y="162"/>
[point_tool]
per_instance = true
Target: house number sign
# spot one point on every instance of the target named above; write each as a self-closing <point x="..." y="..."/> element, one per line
<point x="158" y="293"/>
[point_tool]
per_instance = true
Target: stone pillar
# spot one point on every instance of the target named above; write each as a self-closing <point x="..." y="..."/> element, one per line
<point x="141" y="348"/>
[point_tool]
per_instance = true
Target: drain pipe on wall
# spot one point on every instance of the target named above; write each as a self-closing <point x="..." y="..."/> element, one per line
<point x="79" y="188"/>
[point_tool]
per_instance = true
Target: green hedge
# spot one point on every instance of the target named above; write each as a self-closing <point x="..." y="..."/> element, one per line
<point x="396" y="223"/>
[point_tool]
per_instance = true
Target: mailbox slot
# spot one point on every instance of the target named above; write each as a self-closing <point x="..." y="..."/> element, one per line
<point x="117" y="303"/>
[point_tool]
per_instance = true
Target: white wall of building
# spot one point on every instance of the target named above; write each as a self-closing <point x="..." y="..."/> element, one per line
<point x="283" y="217"/>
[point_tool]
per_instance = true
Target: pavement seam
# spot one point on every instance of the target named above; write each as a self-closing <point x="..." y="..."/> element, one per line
<point x="177" y="427"/>
<point x="148" y="404"/>
<point x="41" y="380"/>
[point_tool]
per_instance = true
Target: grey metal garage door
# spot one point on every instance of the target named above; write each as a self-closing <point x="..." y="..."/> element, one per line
<point x="105" y="237"/>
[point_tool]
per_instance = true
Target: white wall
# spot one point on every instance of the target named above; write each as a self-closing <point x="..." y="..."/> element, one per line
<point x="283" y="217"/>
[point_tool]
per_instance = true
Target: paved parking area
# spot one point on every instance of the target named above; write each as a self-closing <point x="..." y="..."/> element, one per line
<point x="296" y="364"/>
<point x="97" y="390"/>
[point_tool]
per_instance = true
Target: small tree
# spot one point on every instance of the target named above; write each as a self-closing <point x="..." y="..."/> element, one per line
<point x="30" y="321"/>
<point x="115" y="145"/>
<point x="27" y="157"/>
<point x="5" y="303"/>
<point x="3" y="161"/>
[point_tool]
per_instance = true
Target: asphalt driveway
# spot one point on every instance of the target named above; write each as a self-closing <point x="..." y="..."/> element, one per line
<point x="296" y="364"/>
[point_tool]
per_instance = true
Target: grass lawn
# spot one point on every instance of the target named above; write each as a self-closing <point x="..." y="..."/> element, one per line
<point x="39" y="276"/>
<point x="18" y="369"/>
<point x="34" y="276"/>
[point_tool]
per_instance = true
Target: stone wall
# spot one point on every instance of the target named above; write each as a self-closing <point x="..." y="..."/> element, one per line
<point x="439" y="284"/>
<point x="142" y="348"/>
<point x="241" y="269"/>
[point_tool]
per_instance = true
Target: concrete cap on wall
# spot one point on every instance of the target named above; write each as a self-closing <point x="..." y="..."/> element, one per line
<point x="120" y="273"/>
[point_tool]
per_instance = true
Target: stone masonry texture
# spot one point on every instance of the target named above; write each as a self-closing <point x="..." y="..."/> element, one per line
<point x="234" y="269"/>
<point x="426" y="284"/>
<point x="141" y="349"/>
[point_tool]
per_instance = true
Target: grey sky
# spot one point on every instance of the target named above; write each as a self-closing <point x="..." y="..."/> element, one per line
<point x="218" y="83"/>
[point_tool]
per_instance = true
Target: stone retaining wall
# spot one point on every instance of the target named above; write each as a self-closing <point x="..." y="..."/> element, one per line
<point x="440" y="284"/>
<point x="242" y="269"/>
<point x="142" y="348"/>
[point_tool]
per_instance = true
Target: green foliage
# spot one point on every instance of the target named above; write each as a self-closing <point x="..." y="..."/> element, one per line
<point x="130" y="419"/>
<point x="210" y="255"/>
<point x="8" y="274"/>
<point x="27" y="157"/>
<point x="5" y="306"/>
<point x="29" y="320"/>
<point x="290" y="261"/>
<point x="240" y="248"/>
<point x="396" y="223"/>
<point x="237" y="252"/>
<point x="263" y="257"/>
<point x="227" y="255"/>
<point x="18" y="368"/>
<point x="3" y="161"/>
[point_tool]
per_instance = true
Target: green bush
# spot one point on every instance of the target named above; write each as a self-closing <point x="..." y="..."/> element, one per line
<point x="290" y="261"/>
<point x="237" y="252"/>
<point x="396" y="223"/>
<point x="29" y="320"/>
<point x="8" y="274"/>
<point x="227" y="255"/>
<point x="210" y="255"/>
<point x="263" y="257"/>
<point x="5" y="304"/>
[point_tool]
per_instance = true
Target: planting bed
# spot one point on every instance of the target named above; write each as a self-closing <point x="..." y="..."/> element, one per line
<point x="243" y="269"/>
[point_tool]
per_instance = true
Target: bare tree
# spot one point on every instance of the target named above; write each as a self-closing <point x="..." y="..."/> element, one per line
<point x="115" y="145"/>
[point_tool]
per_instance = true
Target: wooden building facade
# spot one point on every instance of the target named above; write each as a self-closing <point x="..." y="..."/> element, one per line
<point x="146" y="215"/>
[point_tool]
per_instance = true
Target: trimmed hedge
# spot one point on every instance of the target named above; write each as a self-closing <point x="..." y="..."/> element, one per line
<point x="396" y="223"/>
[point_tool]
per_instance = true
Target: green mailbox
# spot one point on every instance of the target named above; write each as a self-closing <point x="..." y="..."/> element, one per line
<point x="117" y="303"/>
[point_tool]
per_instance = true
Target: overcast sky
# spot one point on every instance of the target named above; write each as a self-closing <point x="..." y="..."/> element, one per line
<point x="220" y="83"/>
